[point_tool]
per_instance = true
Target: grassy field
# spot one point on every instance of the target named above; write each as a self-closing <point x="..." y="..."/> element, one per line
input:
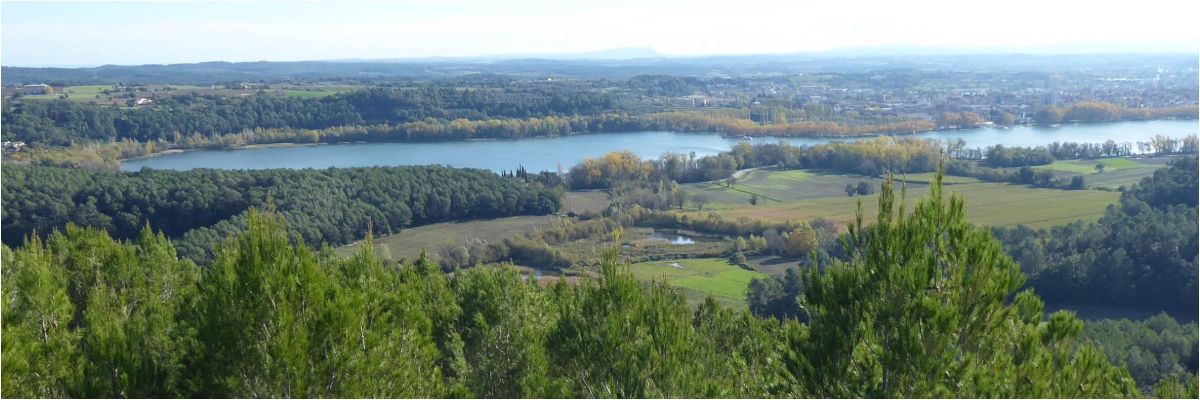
<point x="700" y="276"/>
<point x="92" y="93"/>
<point x="773" y="265"/>
<point x="986" y="203"/>
<point x="586" y="200"/>
<point x="408" y="243"/>
<point x="1089" y="166"/>
<point x="89" y="91"/>
<point x="1124" y="177"/>
<point x="73" y="92"/>
<point x="927" y="177"/>
<point x="308" y="94"/>
<point x="1118" y="171"/>
<point x="773" y="187"/>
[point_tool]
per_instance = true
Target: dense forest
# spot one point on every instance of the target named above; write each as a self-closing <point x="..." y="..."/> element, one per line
<point x="59" y="122"/>
<point x="199" y="208"/>
<point x="1153" y="349"/>
<point x="1143" y="251"/>
<point x="88" y="316"/>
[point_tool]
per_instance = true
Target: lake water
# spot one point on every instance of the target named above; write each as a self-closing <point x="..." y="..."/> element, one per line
<point x="674" y="238"/>
<point x="549" y="154"/>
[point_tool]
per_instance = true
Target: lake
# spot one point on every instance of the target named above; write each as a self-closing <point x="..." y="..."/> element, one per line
<point x="549" y="154"/>
<point x="672" y="237"/>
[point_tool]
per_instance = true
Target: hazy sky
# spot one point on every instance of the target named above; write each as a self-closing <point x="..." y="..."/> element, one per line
<point x="95" y="33"/>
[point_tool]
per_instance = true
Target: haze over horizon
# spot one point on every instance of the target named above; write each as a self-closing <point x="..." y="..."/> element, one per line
<point x="92" y="34"/>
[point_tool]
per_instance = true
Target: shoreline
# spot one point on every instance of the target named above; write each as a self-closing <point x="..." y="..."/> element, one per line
<point x="156" y="154"/>
<point x="243" y="147"/>
<point x="721" y="134"/>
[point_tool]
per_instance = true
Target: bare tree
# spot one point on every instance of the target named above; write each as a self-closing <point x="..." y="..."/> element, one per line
<point x="699" y="199"/>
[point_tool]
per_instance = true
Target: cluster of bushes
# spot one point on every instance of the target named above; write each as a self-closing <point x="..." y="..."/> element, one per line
<point x="534" y="249"/>
<point x="1000" y="156"/>
<point x="963" y="120"/>
<point x="751" y="236"/>
<point x="861" y="189"/>
<point x="519" y="249"/>
<point x="1042" y="178"/>
<point x="709" y="223"/>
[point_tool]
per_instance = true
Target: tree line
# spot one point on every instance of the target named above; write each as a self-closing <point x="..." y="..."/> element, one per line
<point x="1002" y="156"/>
<point x="199" y="208"/>
<point x="425" y="112"/>
<point x="1101" y="111"/>
<point x="692" y="121"/>
<point x="872" y="156"/>
<point x="89" y="316"/>
<point x="61" y="122"/>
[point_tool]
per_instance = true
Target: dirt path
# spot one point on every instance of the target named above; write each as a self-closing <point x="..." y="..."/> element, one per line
<point x="740" y="173"/>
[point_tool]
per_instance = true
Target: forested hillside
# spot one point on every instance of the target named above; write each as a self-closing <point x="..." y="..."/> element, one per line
<point x="1142" y="252"/>
<point x="199" y="208"/>
<point x="87" y="316"/>
<point x="59" y="122"/>
<point x="1155" y="349"/>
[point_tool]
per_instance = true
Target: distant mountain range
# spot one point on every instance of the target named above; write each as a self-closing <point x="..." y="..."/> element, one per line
<point x="626" y="62"/>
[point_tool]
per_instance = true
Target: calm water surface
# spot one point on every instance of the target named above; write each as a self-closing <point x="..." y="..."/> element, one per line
<point x="548" y="154"/>
<point x="674" y="238"/>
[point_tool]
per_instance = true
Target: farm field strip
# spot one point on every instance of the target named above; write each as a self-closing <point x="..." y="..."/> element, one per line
<point x="1122" y="177"/>
<point x="927" y="177"/>
<point x="987" y="203"/>
<point x="409" y="242"/>
<point x="779" y="187"/>
<point x="1089" y="166"/>
<point x="585" y="201"/>
<point x="1118" y="171"/>
<point x="712" y="276"/>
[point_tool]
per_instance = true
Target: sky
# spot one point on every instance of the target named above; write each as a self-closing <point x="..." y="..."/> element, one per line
<point x="128" y="33"/>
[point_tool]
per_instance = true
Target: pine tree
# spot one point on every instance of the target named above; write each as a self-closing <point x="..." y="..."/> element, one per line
<point x="41" y="354"/>
<point x="922" y="310"/>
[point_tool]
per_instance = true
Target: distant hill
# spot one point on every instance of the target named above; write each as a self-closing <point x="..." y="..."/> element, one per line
<point x="616" y="63"/>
